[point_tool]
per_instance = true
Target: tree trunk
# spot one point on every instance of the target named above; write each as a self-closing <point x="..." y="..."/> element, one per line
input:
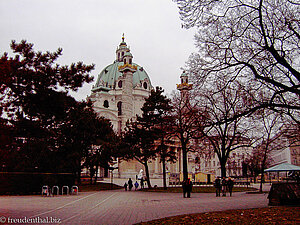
<point x="164" y="172"/>
<point x="147" y="174"/>
<point x="78" y="176"/>
<point x="262" y="175"/>
<point x="96" y="174"/>
<point x="223" y="168"/>
<point x="261" y="181"/>
<point x="184" y="162"/>
<point x="263" y="163"/>
<point x="92" y="172"/>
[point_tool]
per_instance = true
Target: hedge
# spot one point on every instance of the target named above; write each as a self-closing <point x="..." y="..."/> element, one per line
<point x="22" y="183"/>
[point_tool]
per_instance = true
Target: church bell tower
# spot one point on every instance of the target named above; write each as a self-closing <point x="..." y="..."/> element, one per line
<point x="184" y="87"/>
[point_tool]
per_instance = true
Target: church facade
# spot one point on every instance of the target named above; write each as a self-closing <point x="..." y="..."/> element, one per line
<point x="118" y="95"/>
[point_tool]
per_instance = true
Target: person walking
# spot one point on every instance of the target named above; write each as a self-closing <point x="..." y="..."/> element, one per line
<point x="218" y="186"/>
<point x="224" y="186"/>
<point x="130" y="185"/>
<point x="230" y="185"/>
<point x="125" y="186"/>
<point x="136" y="185"/>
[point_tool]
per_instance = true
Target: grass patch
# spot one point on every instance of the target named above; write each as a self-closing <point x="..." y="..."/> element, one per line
<point x="270" y="215"/>
<point x="197" y="189"/>
<point x="100" y="186"/>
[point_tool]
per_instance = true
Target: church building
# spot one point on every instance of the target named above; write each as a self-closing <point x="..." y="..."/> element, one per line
<point x="119" y="94"/>
<point x="121" y="89"/>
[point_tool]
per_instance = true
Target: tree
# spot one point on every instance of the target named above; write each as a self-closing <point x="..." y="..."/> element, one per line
<point x="82" y="130"/>
<point x="189" y="120"/>
<point x="270" y="130"/>
<point x="102" y="149"/>
<point x="138" y="143"/>
<point x="223" y="135"/>
<point x="35" y="103"/>
<point x="256" y="42"/>
<point x="157" y="111"/>
<point x="148" y="135"/>
<point x="31" y="82"/>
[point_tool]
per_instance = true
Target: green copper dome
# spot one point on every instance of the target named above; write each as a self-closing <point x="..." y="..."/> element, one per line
<point x="109" y="75"/>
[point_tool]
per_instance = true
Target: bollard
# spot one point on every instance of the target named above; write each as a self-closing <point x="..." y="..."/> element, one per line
<point x="55" y="190"/>
<point x="74" y="190"/>
<point x="45" y="190"/>
<point x="65" y="188"/>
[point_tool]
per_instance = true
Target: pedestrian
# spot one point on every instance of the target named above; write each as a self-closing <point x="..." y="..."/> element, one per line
<point x="230" y="185"/>
<point x="130" y="184"/>
<point x="218" y="186"/>
<point x="224" y="186"/>
<point x="136" y="185"/>
<point x="189" y="186"/>
<point x="142" y="182"/>
<point x="184" y="189"/>
<point x="125" y="186"/>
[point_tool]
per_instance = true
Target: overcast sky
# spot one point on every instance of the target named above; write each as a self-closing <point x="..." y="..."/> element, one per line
<point x="91" y="30"/>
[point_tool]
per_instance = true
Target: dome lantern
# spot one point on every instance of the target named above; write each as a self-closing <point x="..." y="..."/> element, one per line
<point x="110" y="76"/>
<point x="122" y="50"/>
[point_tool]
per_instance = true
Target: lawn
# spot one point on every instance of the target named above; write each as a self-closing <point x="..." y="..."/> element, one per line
<point x="101" y="186"/>
<point x="269" y="215"/>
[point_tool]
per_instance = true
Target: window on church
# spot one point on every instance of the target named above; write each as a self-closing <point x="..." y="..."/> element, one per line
<point x="119" y="106"/>
<point x="145" y="85"/>
<point x="120" y="84"/>
<point x="105" y="104"/>
<point x="124" y="61"/>
<point x="130" y="61"/>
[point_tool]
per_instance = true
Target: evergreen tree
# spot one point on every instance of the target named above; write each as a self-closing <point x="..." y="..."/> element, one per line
<point x="146" y="137"/>
<point x="157" y="111"/>
<point x="35" y="104"/>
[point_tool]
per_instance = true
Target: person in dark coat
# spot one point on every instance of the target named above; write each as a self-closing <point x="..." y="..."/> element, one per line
<point x="142" y="183"/>
<point x="218" y="186"/>
<point x="189" y="186"/>
<point x="136" y="185"/>
<point x="125" y="186"/>
<point x="130" y="185"/>
<point x="224" y="186"/>
<point x="184" y="188"/>
<point x="230" y="185"/>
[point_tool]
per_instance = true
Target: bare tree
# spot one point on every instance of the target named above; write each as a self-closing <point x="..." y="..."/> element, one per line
<point x="188" y="120"/>
<point x="271" y="125"/>
<point x="222" y="102"/>
<point x="256" y="42"/>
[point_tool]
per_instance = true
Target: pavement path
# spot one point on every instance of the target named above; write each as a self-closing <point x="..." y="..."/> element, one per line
<point x="118" y="206"/>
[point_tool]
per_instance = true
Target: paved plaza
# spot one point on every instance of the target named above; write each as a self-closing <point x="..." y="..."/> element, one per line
<point x="118" y="206"/>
